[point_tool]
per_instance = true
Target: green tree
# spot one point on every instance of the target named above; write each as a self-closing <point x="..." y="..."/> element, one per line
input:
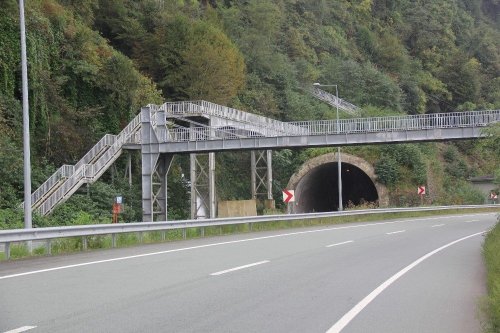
<point x="211" y="68"/>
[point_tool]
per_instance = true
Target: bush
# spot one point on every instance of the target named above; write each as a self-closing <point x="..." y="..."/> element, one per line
<point x="387" y="170"/>
<point x="491" y="253"/>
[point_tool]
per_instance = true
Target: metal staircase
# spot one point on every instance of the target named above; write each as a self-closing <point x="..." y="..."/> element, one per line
<point x="221" y="116"/>
<point x="68" y="178"/>
<point x="334" y="101"/>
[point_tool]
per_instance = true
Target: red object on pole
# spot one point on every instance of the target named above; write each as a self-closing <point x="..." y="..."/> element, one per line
<point x="116" y="210"/>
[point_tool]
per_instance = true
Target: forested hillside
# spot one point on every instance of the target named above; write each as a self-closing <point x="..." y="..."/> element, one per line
<point x="93" y="63"/>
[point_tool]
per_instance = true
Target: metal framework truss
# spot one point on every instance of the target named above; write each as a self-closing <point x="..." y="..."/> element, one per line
<point x="262" y="174"/>
<point x="202" y="186"/>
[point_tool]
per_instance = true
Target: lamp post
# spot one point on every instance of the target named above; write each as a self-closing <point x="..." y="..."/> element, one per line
<point x="339" y="162"/>
<point x="26" y="128"/>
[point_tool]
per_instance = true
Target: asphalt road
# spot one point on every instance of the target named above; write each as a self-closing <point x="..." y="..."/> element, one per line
<point x="391" y="276"/>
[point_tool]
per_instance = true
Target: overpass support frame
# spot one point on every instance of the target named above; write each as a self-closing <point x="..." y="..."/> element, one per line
<point x="202" y="175"/>
<point x="262" y="173"/>
<point x="154" y="166"/>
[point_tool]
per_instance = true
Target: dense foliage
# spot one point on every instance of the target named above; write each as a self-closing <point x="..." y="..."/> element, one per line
<point x="93" y="63"/>
<point x="491" y="253"/>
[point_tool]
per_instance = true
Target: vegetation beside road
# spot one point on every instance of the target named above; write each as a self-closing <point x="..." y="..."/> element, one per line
<point x="491" y="251"/>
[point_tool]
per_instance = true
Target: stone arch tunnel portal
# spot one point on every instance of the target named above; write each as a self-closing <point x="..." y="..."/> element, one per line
<point x="316" y="184"/>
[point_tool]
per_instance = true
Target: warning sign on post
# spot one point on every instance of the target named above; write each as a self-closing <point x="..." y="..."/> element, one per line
<point x="288" y="196"/>
<point x="421" y="190"/>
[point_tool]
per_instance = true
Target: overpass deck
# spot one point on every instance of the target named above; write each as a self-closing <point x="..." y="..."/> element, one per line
<point x="358" y="131"/>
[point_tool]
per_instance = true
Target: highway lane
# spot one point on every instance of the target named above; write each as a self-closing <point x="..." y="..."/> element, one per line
<point x="299" y="280"/>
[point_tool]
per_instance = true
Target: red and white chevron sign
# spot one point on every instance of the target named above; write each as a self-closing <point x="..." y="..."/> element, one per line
<point x="288" y="196"/>
<point x="421" y="190"/>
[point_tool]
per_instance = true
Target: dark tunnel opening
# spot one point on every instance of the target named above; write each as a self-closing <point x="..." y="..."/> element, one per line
<point x="318" y="190"/>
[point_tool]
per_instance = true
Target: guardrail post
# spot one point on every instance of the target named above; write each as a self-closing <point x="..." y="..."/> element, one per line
<point x="250" y="226"/>
<point x="220" y="230"/>
<point x="7" y="250"/>
<point x="113" y="240"/>
<point x="202" y="232"/>
<point x="49" y="247"/>
<point x="84" y="243"/>
<point x="184" y="233"/>
<point x="163" y="235"/>
<point x="141" y="238"/>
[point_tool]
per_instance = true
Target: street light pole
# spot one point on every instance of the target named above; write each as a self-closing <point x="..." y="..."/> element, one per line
<point x="339" y="162"/>
<point x="26" y="120"/>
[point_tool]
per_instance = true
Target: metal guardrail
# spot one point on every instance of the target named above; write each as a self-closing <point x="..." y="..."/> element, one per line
<point x="21" y="235"/>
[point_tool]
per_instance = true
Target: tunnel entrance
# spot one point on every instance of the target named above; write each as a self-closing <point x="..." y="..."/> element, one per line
<point x="316" y="184"/>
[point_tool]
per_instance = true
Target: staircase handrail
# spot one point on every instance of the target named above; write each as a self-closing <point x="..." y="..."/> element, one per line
<point x="333" y="100"/>
<point x="89" y="171"/>
<point x="212" y="109"/>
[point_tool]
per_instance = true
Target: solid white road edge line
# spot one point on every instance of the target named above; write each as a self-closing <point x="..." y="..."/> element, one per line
<point x="349" y="316"/>
<point x="240" y="267"/>
<point x="332" y="245"/>
<point x="395" y="232"/>
<point x="21" y="329"/>
<point x="225" y="243"/>
<point x="437" y="225"/>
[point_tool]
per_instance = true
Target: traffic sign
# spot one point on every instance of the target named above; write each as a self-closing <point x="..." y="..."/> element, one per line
<point x="288" y="196"/>
<point x="421" y="190"/>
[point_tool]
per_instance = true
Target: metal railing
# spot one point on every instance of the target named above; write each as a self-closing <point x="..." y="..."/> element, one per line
<point x="347" y="126"/>
<point x="334" y="101"/>
<point x="402" y="123"/>
<point x="241" y="118"/>
<point x="21" y="235"/>
<point x="67" y="170"/>
<point x="88" y="169"/>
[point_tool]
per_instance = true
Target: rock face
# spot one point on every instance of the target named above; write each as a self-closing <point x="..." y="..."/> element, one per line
<point x="316" y="184"/>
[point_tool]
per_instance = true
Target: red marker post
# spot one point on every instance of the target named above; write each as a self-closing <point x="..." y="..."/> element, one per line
<point x="117" y="209"/>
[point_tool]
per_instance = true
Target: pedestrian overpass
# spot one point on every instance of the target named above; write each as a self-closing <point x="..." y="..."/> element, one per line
<point x="201" y="128"/>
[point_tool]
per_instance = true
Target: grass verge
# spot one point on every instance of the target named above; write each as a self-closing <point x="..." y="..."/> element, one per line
<point x="75" y="244"/>
<point x="491" y="252"/>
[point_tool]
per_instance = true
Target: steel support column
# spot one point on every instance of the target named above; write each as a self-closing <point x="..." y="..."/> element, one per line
<point x="262" y="174"/>
<point x="159" y="187"/>
<point x="202" y="177"/>
<point x="128" y="169"/>
<point x="149" y="159"/>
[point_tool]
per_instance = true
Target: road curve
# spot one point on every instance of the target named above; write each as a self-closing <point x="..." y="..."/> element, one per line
<point x="408" y="275"/>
